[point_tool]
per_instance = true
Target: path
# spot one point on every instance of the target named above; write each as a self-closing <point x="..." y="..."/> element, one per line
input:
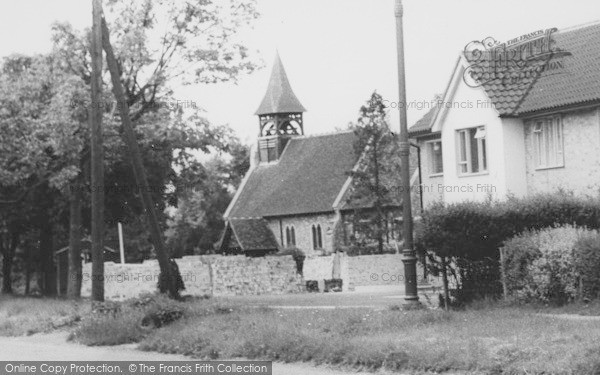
<point x="54" y="347"/>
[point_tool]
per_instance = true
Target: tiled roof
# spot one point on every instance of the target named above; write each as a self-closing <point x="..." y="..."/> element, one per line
<point x="423" y="126"/>
<point x="253" y="234"/>
<point x="279" y="97"/>
<point x="580" y="81"/>
<point x="307" y="179"/>
<point x="521" y="90"/>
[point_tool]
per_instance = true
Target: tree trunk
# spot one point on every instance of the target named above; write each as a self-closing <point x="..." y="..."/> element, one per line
<point x="139" y="173"/>
<point x="445" y="280"/>
<point x="97" y="157"/>
<point x="47" y="279"/>
<point x="7" y="261"/>
<point x="379" y="221"/>
<point x="74" y="274"/>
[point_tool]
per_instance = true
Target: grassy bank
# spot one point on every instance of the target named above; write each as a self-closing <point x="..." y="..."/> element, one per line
<point x="25" y="316"/>
<point x="485" y="337"/>
<point x="493" y="341"/>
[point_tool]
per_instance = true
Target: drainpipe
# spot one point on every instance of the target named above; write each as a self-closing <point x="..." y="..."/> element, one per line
<point x="420" y="176"/>
<point x="420" y="197"/>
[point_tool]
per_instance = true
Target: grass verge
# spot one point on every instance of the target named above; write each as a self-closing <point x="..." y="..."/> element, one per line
<point x="26" y="316"/>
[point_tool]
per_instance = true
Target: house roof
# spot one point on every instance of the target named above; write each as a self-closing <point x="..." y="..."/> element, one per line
<point x="309" y="176"/>
<point x="425" y="123"/>
<point x="253" y="234"/>
<point x="578" y="82"/>
<point x="280" y="97"/>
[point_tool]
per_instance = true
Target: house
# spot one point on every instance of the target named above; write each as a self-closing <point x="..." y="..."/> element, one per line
<point x="516" y="119"/>
<point x="295" y="194"/>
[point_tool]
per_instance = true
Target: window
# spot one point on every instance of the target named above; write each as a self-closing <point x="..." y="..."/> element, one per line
<point x="293" y="236"/>
<point x="548" y="142"/>
<point x="472" y="152"/>
<point x="290" y="236"/>
<point x="317" y="237"/>
<point x="268" y="149"/>
<point x="436" y="165"/>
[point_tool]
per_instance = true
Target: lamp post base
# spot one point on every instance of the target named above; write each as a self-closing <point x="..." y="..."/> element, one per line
<point x="409" y="259"/>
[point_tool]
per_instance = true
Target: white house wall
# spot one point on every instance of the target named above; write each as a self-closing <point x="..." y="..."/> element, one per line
<point x="581" y="143"/>
<point x="476" y="111"/>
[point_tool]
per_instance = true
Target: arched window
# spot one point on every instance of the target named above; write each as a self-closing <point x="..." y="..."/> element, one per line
<point x="319" y="237"/>
<point x="293" y="232"/>
<point x="288" y="238"/>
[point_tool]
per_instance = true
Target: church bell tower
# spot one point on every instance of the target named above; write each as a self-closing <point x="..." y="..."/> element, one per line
<point x="279" y="115"/>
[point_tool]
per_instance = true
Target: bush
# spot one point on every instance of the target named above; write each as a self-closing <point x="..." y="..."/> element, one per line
<point x="108" y="329"/>
<point x="587" y="264"/>
<point x="548" y="264"/>
<point x="471" y="232"/>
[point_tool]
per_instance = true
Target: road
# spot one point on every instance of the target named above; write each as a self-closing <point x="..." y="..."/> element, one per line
<point x="54" y="347"/>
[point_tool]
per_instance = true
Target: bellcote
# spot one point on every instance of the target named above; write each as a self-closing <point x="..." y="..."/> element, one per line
<point x="279" y="114"/>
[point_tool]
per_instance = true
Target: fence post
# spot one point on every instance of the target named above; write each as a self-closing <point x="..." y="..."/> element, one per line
<point x="503" y="275"/>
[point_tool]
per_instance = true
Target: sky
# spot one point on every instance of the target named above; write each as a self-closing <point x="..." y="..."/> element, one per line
<point x="335" y="52"/>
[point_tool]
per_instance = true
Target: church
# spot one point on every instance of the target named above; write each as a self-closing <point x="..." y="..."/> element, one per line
<point x="295" y="194"/>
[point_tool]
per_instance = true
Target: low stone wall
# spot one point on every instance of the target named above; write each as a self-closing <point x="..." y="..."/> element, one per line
<point x="203" y="275"/>
<point x="384" y="269"/>
<point x="363" y="270"/>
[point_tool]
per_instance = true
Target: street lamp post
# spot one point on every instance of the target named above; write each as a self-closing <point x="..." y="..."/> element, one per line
<point x="408" y="253"/>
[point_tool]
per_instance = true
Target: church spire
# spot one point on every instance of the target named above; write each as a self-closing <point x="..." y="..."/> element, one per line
<point x="280" y="97"/>
<point x="279" y="115"/>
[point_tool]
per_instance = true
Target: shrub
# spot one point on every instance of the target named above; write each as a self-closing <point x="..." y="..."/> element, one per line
<point x="587" y="264"/>
<point x="548" y="264"/>
<point x="474" y="231"/>
<point x="108" y="329"/>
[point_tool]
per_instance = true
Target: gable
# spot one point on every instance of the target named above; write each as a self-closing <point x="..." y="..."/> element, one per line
<point x="307" y="178"/>
<point x="249" y="235"/>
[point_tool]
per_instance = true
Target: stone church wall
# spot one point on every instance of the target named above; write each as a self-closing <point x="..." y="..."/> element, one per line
<point x="303" y="228"/>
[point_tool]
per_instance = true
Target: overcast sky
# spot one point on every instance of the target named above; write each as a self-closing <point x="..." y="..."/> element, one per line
<point x="336" y="52"/>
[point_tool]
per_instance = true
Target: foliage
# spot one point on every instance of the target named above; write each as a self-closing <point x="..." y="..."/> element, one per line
<point x="550" y="264"/>
<point x="474" y="231"/>
<point x="44" y="149"/>
<point x="376" y="148"/>
<point x="196" y="223"/>
<point x="587" y="263"/>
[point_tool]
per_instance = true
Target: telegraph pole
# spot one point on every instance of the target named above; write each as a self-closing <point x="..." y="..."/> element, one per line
<point x="408" y="253"/>
<point x="97" y="156"/>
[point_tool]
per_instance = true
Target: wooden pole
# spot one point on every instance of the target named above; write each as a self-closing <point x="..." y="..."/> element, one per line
<point x="97" y="157"/>
<point x="138" y="167"/>
<point x="409" y="257"/>
<point x="121" y="246"/>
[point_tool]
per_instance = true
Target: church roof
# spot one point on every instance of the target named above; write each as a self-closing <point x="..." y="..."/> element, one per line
<point x="279" y="97"/>
<point x="253" y="234"/>
<point x="309" y="176"/>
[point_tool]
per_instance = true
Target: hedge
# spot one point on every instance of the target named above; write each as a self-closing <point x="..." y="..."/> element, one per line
<point x="553" y="265"/>
<point x="469" y="234"/>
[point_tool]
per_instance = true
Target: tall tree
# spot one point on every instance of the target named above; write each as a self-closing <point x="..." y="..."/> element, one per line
<point x="372" y="182"/>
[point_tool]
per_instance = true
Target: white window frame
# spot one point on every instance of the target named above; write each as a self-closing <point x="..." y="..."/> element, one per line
<point x="463" y="159"/>
<point x="548" y="144"/>
<point x="430" y="154"/>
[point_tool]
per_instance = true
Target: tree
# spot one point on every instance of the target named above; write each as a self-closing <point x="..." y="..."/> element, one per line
<point x="200" y="34"/>
<point x="197" y="222"/>
<point x="373" y="181"/>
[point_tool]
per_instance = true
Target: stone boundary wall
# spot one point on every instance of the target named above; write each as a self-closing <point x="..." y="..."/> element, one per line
<point x="204" y="275"/>
<point x="362" y="270"/>
<point x="217" y="275"/>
